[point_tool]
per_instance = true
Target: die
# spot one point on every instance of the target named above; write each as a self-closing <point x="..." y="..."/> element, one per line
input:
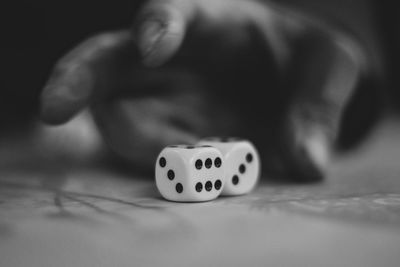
<point x="186" y="173"/>
<point x="242" y="164"/>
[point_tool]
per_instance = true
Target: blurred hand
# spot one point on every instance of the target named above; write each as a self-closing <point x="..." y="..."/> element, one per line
<point x="193" y="68"/>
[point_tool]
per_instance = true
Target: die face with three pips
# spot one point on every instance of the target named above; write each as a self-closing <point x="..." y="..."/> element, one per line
<point x="241" y="163"/>
<point x="190" y="173"/>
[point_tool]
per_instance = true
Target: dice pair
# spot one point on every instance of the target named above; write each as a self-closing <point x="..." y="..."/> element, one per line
<point x="202" y="172"/>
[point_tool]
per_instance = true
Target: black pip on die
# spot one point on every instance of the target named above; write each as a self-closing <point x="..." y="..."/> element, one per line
<point x="190" y="173"/>
<point x="242" y="164"/>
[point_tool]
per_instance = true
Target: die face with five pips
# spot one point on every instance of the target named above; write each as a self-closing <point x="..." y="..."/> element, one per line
<point x="241" y="162"/>
<point x="187" y="173"/>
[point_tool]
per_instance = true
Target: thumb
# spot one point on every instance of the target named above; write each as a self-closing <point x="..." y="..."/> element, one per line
<point x="160" y="28"/>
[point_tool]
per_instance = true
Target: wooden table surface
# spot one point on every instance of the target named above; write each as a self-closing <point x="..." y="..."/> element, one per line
<point x="58" y="213"/>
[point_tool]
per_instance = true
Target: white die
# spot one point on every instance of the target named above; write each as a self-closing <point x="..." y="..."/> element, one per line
<point x="190" y="173"/>
<point x="242" y="164"/>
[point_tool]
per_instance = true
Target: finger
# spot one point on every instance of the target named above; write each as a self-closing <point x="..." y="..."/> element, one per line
<point x="160" y="29"/>
<point x="92" y="65"/>
<point x="138" y="129"/>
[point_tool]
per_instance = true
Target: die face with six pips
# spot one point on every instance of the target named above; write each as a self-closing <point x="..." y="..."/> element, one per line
<point x="242" y="164"/>
<point x="190" y="173"/>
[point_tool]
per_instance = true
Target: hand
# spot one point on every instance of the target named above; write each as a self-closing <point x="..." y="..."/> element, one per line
<point x="193" y="68"/>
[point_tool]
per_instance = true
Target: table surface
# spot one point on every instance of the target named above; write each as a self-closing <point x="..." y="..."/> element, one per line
<point x="61" y="213"/>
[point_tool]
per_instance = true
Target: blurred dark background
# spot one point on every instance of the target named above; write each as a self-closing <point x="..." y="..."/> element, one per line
<point x="36" y="34"/>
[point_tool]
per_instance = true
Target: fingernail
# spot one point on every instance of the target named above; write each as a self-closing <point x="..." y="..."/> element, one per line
<point x="52" y="110"/>
<point x="63" y="94"/>
<point x="318" y="148"/>
<point x="75" y="83"/>
<point x="150" y="34"/>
